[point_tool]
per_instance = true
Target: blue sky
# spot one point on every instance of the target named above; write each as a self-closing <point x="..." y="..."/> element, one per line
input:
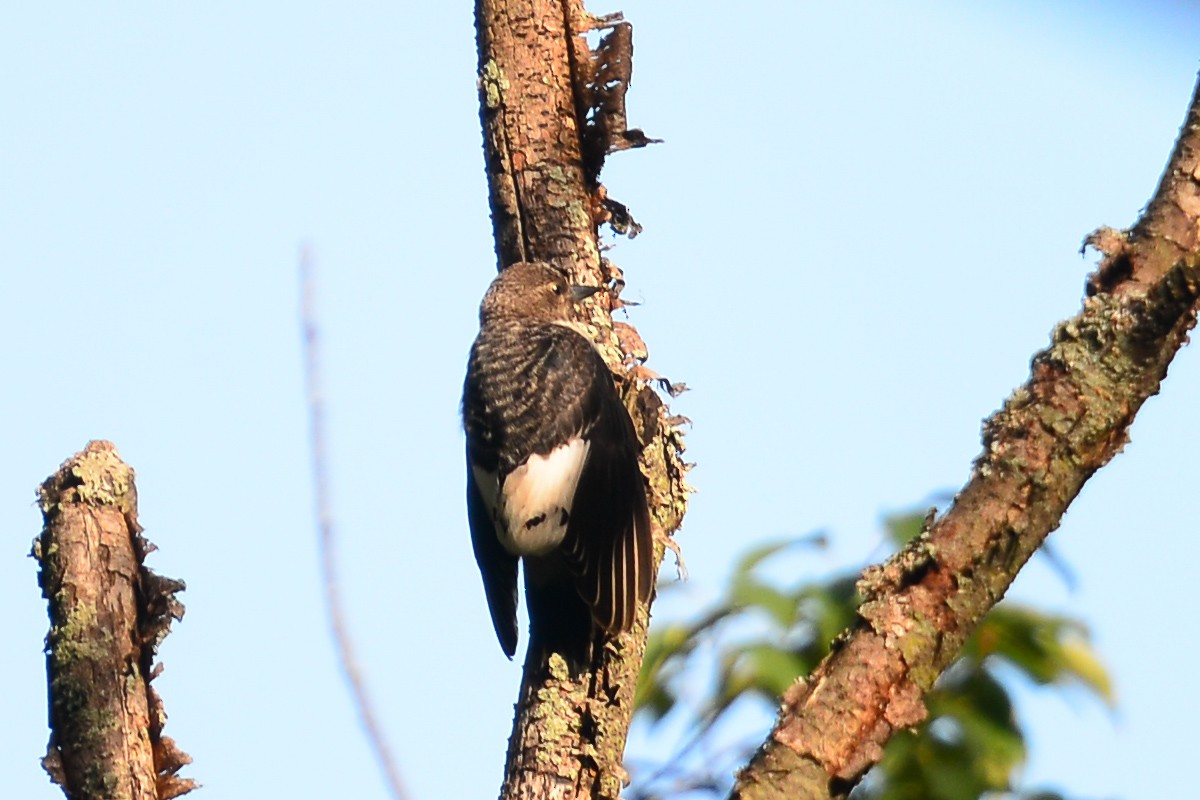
<point x="864" y="220"/>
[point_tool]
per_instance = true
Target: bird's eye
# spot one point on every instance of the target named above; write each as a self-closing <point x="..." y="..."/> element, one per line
<point x="557" y="288"/>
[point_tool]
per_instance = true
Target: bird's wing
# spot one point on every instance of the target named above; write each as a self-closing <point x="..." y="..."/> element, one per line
<point x="530" y="394"/>
<point x="498" y="568"/>
<point x="608" y="545"/>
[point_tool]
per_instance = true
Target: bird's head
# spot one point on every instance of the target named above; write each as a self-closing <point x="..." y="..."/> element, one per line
<point x="533" y="291"/>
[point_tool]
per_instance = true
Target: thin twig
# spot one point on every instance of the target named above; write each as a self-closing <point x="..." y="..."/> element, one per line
<point x="325" y="534"/>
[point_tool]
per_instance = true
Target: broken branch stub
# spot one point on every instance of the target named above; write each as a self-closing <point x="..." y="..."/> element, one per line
<point x="108" y="614"/>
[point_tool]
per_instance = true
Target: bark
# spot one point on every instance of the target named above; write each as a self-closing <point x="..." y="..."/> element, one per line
<point x="1066" y="422"/>
<point x="108" y="614"/>
<point x="550" y="110"/>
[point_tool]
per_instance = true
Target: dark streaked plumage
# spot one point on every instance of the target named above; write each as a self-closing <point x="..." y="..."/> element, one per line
<point x="552" y="472"/>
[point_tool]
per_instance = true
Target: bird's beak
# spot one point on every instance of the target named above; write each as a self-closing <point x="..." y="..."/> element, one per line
<point x="580" y="292"/>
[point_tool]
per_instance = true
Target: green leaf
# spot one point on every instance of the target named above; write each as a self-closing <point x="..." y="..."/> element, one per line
<point x="748" y="593"/>
<point x="757" y="668"/>
<point x="1048" y="649"/>
<point x="757" y="555"/>
<point x="774" y="670"/>
<point x="663" y="645"/>
<point x="1081" y="661"/>
<point x="970" y="747"/>
<point x="905" y="526"/>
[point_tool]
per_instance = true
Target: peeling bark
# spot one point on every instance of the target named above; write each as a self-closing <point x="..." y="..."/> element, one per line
<point x="1066" y="422"/>
<point x="547" y="125"/>
<point x="108" y="614"/>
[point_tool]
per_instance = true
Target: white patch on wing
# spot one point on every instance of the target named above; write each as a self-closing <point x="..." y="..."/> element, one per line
<point x="535" y="501"/>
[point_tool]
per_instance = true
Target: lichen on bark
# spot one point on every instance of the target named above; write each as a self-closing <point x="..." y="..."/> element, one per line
<point x="108" y="614"/>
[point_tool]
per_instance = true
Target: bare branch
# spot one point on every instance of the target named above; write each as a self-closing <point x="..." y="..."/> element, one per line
<point x="325" y="535"/>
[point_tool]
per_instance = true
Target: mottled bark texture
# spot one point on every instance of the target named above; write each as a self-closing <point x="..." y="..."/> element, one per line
<point x="546" y="130"/>
<point x="1066" y="422"/>
<point x="108" y="614"/>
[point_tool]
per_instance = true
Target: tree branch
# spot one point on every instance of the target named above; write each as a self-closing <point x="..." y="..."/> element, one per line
<point x="1068" y="420"/>
<point x="326" y="535"/>
<point x="108" y="614"/>
<point x="546" y="132"/>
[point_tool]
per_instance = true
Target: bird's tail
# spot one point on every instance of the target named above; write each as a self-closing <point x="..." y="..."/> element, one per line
<point x="559" y="619"/>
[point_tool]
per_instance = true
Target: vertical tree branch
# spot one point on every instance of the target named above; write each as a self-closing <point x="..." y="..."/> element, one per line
<point x="1053" y="433"/>
<point x="108" y="614"/>
<point x="532" y="136"/>
<point x="535" y="73"/>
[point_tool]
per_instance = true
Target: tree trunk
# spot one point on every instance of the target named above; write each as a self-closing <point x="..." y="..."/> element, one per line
<point x="543" y="151"/>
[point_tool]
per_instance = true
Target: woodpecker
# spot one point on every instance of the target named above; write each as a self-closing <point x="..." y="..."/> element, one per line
<point x="552" y="470"/>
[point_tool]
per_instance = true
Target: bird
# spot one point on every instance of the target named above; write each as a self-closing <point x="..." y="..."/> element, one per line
<point x="553" y="479"/>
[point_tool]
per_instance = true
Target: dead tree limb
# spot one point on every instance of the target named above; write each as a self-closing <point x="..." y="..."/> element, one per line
<point x="108" y="614"/>
<point x="1066" y="422"/>
<point x="551" y="109"/>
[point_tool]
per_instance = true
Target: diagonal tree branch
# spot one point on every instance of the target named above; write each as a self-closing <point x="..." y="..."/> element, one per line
<point x="1066" y="422"/>
<point x="547" y="127"/>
